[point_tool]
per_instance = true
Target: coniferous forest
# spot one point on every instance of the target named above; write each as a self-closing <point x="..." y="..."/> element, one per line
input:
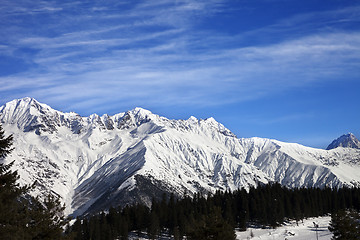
<point x="215" y="216"/>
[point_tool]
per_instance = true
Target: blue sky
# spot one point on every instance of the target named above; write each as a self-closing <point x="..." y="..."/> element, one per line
<point x="282" y="69"/>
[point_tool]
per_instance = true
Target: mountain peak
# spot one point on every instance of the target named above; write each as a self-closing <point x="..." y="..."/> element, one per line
<point x="193" y="119"/>
<point x="347" y="140"/>
<point x="27" y="100"/>
<point x="141" y="112"/>
<point x="23" y="109"/>
<point x="26" y="103"/>
<point x="30" y="115"/>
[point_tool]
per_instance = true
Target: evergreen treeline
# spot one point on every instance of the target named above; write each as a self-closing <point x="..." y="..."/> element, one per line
<point x="215" y="216"/>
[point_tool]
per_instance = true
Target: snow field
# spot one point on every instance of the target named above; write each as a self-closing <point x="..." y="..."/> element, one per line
<point x="290" y="231"/>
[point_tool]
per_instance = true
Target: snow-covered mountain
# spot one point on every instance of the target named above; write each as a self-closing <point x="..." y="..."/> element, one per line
<point x="347" y="140"/>
<point x="98" y="161"/>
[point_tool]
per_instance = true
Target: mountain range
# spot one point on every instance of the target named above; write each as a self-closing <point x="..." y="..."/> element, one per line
<point x="96" y="162"/>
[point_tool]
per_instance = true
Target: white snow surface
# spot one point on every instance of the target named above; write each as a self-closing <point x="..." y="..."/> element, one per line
<point x="82" y="158"/>
<point x="304" y="230"/>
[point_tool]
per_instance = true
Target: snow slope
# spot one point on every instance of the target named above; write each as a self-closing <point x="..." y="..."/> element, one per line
<point x="97" y="161"/>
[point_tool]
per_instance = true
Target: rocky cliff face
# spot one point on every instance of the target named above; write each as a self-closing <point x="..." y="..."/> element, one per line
<point x="98" y="161"/>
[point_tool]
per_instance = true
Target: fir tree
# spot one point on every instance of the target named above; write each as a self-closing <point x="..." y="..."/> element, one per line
<point x="46" y="218"/>
<point x="5" y="144"/>
<point x="154" y="227"/>
<point x="12" y="213"/>
<point x="212" y="226"/>
<point x="345" y="225"/>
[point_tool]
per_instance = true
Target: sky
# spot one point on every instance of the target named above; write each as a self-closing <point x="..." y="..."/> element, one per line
<point x="280" y="69"/>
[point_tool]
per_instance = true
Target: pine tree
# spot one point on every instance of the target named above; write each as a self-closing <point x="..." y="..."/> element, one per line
<point x="211" y="226"/>
<point x="297" y="215"/>
<point x="154" y="227"/>
<point x="345" y="225"/>
<point x="46" y="218"/>
<point x="77" y="230"/>
<point x="123" y="230"/>
<point x="12" y="214"/>
<point x="5" y="144"/>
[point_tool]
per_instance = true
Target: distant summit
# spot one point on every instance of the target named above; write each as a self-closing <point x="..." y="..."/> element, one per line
<point x="347" y="140"/>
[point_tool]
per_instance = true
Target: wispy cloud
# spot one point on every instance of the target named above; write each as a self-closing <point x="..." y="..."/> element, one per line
<point x="25" y="7"/>
<point x="150" y="54"/>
